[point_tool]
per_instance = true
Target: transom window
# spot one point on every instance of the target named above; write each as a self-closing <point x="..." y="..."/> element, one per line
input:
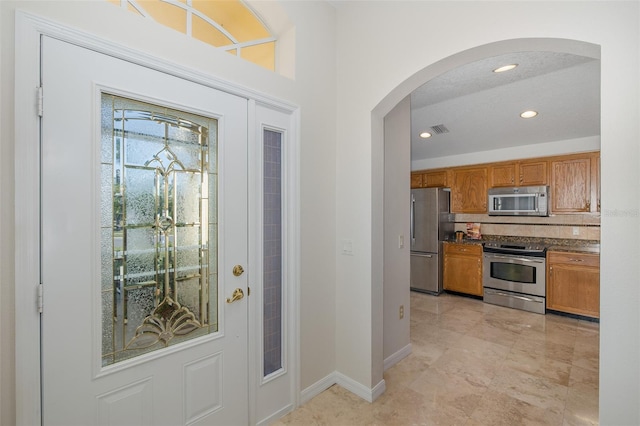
<point x="228" y="25"/>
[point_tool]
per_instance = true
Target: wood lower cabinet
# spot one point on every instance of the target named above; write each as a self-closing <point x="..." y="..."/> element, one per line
<point x="573" y="283"/>
<point x="462" y="268"/>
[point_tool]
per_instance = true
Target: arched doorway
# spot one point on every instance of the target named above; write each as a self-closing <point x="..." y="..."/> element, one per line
<point x="387" y="271"/>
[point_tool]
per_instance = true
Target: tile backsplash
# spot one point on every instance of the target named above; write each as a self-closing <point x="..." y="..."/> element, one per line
<point x="578" y="226"/>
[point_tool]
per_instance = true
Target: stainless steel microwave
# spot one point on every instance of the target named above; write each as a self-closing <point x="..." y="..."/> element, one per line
<point x="519" y="201"/>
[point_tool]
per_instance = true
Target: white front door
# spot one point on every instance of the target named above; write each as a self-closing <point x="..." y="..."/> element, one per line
<point x="144" y="217"/>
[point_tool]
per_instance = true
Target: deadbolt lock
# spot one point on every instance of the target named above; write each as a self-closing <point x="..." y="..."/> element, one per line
<point x="238" y="270"/>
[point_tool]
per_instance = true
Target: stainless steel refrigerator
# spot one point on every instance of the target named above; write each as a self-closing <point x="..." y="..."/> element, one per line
<point x="430" y="225"/>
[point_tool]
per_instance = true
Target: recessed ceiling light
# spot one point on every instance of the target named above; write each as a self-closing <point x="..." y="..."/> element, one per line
<point x="505" y="68"/>
<point x="529" y="114"/>
<point x="425" y="135"/>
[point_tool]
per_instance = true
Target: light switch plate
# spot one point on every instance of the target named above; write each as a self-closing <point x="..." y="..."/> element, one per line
<point x="347" y="247"/>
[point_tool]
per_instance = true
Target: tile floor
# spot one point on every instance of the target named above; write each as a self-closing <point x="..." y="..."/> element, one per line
<point x="477" y="364"/>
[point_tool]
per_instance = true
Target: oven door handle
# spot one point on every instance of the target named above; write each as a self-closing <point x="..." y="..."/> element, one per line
<point x="523" y="259"/>
<point x="526" y="299"/>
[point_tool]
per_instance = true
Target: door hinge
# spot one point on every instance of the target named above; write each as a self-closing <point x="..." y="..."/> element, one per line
<point x="248" y="291"/>
<point x="40" y="298"/>
<point x="39" y="101"/>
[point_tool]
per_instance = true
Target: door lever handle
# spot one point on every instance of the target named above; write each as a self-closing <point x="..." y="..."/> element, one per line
<point x="237" y="295"/>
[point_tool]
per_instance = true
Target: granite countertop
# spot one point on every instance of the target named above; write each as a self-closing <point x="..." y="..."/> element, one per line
<point x="465" y="241"/>
<point x="553" y="244"/>
<point x="584" y="247"/>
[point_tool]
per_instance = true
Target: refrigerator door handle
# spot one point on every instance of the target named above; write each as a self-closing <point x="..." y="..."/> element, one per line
<point x="412" y="220"/>
<point x="422" y="255"/>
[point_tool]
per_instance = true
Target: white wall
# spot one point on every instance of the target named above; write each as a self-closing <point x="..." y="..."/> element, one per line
<point x="382" y="48"/>
<point x="397" y="158"/>
<point x="7" y="374"/>
<point x="313" y="90"/>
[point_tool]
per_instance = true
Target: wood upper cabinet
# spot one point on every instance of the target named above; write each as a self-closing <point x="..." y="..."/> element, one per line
<point x="574" y="184"/>
<point x="573" y="283"/>
<point x="435" y="179"/>
<point x="430" y="179"/>
<point x="503" y="174"/>
<point x="416" y="180"/>
<point x="469" y="190"/>
<point x="462" y="268"/>
<point x="519" y="173"/>
<point x="533" y="173"/>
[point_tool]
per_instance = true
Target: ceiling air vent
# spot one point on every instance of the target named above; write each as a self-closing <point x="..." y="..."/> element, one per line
<point x="439" y="129"/>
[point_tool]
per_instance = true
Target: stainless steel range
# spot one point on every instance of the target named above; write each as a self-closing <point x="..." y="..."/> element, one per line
<point x="514" y="275"/>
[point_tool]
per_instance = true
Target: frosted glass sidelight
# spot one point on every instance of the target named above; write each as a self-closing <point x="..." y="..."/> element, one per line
<point x="159" y="229"/>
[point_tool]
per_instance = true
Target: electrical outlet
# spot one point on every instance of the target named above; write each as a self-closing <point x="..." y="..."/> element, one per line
<point x="576" y="230"/>
<point x="400" y="241"/>
<point x="401" y="311"/>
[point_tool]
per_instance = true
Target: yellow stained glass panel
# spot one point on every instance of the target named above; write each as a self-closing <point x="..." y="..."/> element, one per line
<point x="203" y="31"/>
<point x="166" y="14"/>
<point x="261" y="54"/>
<point x="234" y="16"/>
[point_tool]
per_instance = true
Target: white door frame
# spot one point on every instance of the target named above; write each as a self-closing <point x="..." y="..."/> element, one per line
<point x="29" y="29"/>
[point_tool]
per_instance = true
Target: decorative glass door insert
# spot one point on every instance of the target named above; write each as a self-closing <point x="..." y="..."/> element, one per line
<point x="159" y="227"/>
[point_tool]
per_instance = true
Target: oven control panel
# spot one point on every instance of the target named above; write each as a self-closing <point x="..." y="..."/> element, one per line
<point x="531" y="249"/>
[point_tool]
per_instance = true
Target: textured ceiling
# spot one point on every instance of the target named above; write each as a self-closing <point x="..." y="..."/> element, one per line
<point x="481" y="109"/>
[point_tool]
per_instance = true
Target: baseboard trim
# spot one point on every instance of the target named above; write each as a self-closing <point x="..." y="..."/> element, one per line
<point x="275" y="416"/>
<point x="318" y="387"/>
<point x="378" y="390"/>
<point x="359" y="389"/>
<point x="348" y="383"/>
<point x="395" y="358"/>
